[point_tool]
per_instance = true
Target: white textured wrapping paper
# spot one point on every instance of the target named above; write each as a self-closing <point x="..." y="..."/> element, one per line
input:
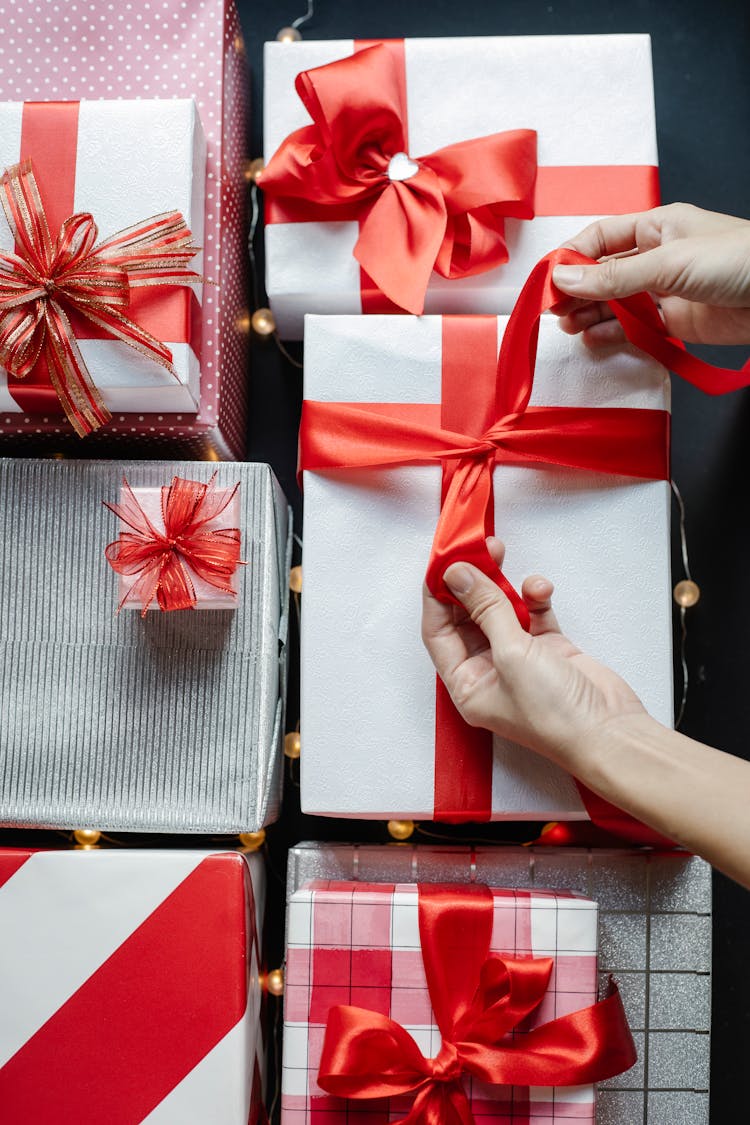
<point x="589" y="97"/>
<point x="134" y="159"/>
<point x="368" y="686"/>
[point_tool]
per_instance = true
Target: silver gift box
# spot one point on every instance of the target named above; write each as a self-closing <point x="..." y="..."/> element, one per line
<point x="654" y="937"/>
<point x="172" y="723"/>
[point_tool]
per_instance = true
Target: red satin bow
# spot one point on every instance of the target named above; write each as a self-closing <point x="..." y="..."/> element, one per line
<point x="478" y="999"/>
<point x="46" y="277"/>
<point x="164" y="561"/>
<point x="447" y="216"/>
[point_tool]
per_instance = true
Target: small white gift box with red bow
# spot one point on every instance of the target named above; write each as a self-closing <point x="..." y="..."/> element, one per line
<point x="430" y="174"/>
<point x="124" y="165"/>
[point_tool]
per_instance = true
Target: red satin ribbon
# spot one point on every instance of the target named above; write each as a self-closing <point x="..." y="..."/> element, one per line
<point x="448" y="216"/>
<point x="163" y="562"/>
<point x="478" y="999"/>
<point x="57" y="288"/>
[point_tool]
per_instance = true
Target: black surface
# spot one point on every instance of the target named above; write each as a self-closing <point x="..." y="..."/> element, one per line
<point x="701" y="53"/>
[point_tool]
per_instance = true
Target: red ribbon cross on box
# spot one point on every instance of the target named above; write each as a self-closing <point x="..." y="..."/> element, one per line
<point x="485" y="420"/>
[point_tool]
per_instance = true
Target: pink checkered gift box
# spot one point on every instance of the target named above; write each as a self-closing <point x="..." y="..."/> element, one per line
<point x="359" y="944"/>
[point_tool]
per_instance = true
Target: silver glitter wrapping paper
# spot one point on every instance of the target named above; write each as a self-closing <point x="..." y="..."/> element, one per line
<point x="168" y="724"/>
<point x="655" y="938"/>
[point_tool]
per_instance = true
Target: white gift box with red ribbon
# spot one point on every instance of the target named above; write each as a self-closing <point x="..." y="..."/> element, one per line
<point x="132" y="160"/>
<point x="131" y="985"/>
<point x="374" y="741"/>
<point x="588" y="97"/>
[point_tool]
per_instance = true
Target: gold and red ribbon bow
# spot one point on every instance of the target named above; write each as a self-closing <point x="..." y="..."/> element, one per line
<point x="48" y="278"/>
<point x="443" y="212"/>
<point x="478" y="999"/>
<point x="163" y="561"/>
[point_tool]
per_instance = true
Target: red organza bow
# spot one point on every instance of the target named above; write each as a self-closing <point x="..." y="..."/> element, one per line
<point x="442" y="212"/>
<point x="478" y="999"/>
<point x="163" y="562"/>
<point x="47" y="278"/>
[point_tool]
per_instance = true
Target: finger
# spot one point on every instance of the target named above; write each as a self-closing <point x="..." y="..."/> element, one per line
<point x="585" y="316"/>
<point x="442" y="638"/>
<point x="537" y="594"/>
<point x="568" y="305"/>
<point x="496" y="548"/>
<point x="486" y="604"/>
<point x="659" y="270"/>
<point x="606" y="236"/>
<point x="604" y="334"/>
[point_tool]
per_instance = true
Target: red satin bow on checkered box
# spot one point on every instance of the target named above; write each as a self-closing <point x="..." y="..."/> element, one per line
<point x="479" y="1000"/>
<point x="48" y="277"/>
<point x="164" y="561"/>
<point x="443" y="212"/>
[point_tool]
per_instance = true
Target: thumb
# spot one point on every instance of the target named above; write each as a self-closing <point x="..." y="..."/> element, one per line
<point x="652" y="271"/>
<point x="485" y="603"/>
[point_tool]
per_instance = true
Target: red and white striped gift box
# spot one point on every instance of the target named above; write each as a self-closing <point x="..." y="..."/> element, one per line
<point x="130" y="985"/>
<point x="358" y="943"/>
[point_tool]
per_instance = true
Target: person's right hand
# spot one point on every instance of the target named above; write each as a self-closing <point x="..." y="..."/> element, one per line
<point x="695" y="263"/>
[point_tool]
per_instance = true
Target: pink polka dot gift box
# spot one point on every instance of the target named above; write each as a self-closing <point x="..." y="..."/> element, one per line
<point x="121" y="243"/>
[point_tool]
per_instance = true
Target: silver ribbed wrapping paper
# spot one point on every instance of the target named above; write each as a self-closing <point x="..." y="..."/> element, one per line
<point x="654" y="936"/>
<point x="168" y="724"/>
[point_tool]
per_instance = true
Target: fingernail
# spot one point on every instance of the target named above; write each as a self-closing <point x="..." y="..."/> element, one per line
<point x="458" y="578"/>
<point x="566" y="276"/>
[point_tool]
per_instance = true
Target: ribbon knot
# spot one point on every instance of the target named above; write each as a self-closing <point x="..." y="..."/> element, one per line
<point x="446" y="1067"/>
<point x="444" y="211"/>
<point x="46" y="280"/>
<point x="163" y="562"/>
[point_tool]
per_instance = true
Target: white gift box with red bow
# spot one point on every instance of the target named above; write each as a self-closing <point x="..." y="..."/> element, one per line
<point x="132" y="160"/>
<point x="588" y="97"/>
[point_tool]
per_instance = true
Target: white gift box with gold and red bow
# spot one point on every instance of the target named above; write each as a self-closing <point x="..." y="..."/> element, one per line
<point x="122" y="162"/>
<point x="132" y="987"/>
<point x="380" y="738"/>
<point x="438" y="152"/>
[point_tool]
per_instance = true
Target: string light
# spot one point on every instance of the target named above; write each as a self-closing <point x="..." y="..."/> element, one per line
<point x="86" y="838"/>
<point x="401" y="829"/>
<point x="686" y="594"/>
<point x="293" y="745"/>
<point x="264" y="315"/>
<point x="252" y="841"/>
<point x="292" y="33"/>
<point x="275" y="982"/>
<point x="263" y="322"/>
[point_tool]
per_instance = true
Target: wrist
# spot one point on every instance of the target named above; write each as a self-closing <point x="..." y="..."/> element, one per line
<point x="602" y="752"/>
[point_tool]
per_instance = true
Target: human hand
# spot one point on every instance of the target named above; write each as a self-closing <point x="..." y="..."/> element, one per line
<point x="535" y="688"/>
<point x="695" y="263"/>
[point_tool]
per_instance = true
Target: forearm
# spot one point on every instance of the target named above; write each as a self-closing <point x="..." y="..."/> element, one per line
<point x="695" y="795"/>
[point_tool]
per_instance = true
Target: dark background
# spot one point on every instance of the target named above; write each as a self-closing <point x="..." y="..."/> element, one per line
<point x="701" y="54"/>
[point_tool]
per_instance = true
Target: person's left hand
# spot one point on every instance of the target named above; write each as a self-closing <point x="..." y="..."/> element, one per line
<point x="535" y="688"/>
